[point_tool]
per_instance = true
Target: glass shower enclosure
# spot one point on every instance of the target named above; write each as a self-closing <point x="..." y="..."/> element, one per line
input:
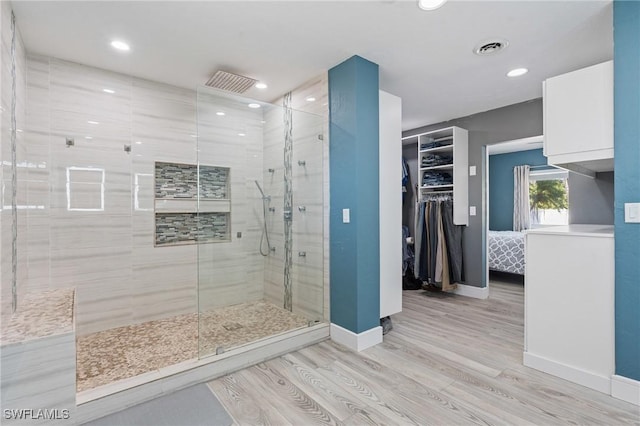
<point x="259" y="220"/>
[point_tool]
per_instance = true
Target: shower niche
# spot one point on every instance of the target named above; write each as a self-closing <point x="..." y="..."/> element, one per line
<point x="192" y="204"/>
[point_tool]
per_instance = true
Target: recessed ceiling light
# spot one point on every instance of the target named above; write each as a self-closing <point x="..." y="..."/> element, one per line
<point x="254" y="105"/>
<point x="120" y="45"/>
<point x="110" y="91"/>
<point x="138" y="142"/>
<point x="310" y="99"/>
<point x="194" y="136"/>
<point x="220" y="113"/>
<point x="261" y="86"/>
<point x="430" y="4"/>
<point x="517" y="72"/>
<point x="242" y="134"/>
<point x="88" y="137"/>
<point x="93" y="122"/>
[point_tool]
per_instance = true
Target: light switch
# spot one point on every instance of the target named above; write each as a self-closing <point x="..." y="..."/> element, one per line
<point x="632" y="212"/>
<point x="472" y="210"/>
<point x="345" y="216"/>
<point x="472" y="170"/>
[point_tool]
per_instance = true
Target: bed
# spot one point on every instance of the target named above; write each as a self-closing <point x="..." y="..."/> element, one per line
<point x="506" y="251"/>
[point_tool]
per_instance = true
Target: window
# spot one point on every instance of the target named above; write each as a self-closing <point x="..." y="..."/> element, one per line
<point x="549" y="197"/>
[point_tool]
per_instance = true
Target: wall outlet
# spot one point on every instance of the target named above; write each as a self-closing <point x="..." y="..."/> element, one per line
<point x="472" y="210"/>
<point x="345" y="216"/>
<point x="472" y="170"/>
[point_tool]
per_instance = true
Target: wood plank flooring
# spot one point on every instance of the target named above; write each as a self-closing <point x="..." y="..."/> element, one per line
<point x="448" y="360"/>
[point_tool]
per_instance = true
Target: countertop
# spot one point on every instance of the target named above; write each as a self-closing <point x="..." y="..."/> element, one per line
<point x="603" y="231"/>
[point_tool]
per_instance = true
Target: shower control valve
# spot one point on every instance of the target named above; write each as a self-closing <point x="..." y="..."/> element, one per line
<point x="302" y="208"/>
<point x="302" y="253"/>
<point x="288" y="215"/>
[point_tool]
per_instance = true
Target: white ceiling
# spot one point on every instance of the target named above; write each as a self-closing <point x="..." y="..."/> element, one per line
<point x="426" y="58"/>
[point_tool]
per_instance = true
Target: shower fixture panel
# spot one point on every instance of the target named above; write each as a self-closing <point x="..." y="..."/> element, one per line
<point x="230" y="82"/>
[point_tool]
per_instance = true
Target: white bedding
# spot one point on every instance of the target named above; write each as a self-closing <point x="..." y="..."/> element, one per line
<point x="506" y="251"/>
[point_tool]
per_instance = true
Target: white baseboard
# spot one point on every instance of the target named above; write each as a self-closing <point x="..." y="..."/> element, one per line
<point x="567" y="372"/>
<point x="472" y="291"/>
<point x="625" y="389"/>
<point x="356" y="342"/>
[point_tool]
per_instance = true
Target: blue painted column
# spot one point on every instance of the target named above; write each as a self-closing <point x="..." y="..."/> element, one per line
<point x="353" y="162"/>
<point x="626" y="23"/>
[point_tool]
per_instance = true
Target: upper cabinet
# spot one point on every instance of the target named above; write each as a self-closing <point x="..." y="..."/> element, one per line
<point x="578" y="119"/>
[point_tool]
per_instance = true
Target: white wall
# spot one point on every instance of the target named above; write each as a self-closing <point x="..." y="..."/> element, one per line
<point x="390" y="204"/>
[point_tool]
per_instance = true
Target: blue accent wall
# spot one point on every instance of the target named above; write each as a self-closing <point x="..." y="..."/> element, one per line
<point x="353" y="161"/>
<point x="626" y="35"/>
<point x="501" y="185"/>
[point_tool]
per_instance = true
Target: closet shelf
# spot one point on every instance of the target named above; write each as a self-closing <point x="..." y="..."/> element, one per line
<point x="438" y="149"/>
<point x="436" y="186"/>
<point x="443" y="167"/>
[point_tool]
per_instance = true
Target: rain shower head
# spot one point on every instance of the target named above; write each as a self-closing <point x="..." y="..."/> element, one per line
<point x="230" y="82"/>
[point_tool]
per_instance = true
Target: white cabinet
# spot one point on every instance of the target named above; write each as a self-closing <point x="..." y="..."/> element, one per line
<point x="569" y="303"/>
<point x="578" y="119"/>
<point x="443" y="166"/>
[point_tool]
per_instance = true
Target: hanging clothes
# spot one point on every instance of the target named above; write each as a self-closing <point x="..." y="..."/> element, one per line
<point x="406" y="179"/>
<point x="438" y="246"/>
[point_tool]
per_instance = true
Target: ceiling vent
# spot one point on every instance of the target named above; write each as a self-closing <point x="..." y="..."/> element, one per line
<point x="490" y="47"/>
<point x="230" y="82"/>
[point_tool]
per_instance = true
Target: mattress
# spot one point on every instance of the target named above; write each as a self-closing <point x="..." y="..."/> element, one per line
<point x="506" y="251"/>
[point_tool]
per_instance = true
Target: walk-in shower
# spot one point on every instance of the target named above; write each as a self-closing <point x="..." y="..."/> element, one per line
<point x="176" y="245"/>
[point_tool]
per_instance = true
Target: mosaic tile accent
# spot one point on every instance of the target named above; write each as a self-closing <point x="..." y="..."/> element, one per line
<point x="174" y="180"/>
<point x="288" y="200"/>
<point x="14" y="173"/>
<point x="191" y="228"/>
<point x="124" y="352"/>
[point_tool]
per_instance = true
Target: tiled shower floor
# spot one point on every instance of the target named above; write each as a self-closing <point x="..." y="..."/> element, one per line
<point x="124" y="352"/>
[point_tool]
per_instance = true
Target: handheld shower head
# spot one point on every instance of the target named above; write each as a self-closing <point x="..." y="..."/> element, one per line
<point x="259" y="189"/>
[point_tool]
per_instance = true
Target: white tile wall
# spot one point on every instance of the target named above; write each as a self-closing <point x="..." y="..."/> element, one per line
<point x="5" y="157"/>
<point x="310" y="228"/>
<point x="40" y="374"/>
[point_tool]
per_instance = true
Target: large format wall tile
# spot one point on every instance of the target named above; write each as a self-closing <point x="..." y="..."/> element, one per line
<point x="6" y="164"/>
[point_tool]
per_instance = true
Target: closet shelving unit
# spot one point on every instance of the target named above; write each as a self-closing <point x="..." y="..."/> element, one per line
<point x="453" y="143"/>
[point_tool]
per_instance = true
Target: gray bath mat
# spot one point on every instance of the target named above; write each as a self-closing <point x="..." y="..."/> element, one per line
<point x="194" y="406"/>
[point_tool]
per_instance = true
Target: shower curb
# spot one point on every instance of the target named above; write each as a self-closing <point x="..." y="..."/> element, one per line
<point x="108" y="399"/>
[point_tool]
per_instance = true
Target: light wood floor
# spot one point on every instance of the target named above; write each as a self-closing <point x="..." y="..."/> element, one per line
<point x="448" y="360"/>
